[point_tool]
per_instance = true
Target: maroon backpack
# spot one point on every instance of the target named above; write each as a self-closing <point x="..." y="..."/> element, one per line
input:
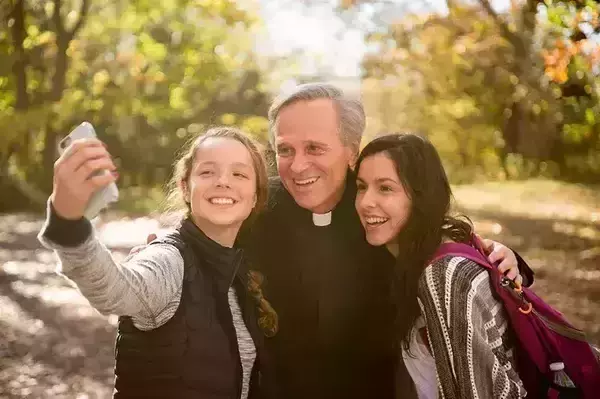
<point x="554" y="359"/>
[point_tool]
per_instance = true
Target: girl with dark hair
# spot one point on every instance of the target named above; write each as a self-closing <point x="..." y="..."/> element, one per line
<point x="453" y="334"/>
<point x="190" y="311"/>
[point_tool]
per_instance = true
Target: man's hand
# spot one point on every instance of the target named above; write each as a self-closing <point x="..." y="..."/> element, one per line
<point x="151" y="237"/>
<point x="497" y="252"/>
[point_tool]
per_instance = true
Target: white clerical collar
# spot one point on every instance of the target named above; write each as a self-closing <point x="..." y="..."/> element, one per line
<point x="322" y="219"/>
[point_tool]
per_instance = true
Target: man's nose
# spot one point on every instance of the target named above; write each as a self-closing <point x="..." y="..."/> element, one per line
<point x="299" y="164"/>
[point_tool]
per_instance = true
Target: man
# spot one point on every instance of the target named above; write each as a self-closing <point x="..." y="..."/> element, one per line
<point x="327" y="284"/>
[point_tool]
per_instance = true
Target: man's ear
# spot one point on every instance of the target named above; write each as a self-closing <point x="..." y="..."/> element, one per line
<point x="352" y="157"/>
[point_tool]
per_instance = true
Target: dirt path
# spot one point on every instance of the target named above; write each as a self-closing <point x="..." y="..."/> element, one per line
<point x="54" y="345"/>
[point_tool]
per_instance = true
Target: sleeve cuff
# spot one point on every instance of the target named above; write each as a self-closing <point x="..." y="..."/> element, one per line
<point x="525" y="270"/>
<point x="64" y="232"/>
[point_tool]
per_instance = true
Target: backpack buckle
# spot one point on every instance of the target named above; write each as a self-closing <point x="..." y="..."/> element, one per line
<point x="527" y="310"/>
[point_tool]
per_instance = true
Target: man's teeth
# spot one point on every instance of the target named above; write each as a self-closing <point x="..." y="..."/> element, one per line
<point x="222" y="201"/>
<point x="306" y="181"/>
<point x="376" y="220"/>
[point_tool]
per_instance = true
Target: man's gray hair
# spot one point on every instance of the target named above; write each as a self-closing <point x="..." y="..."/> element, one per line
<point x="351" y="114"/>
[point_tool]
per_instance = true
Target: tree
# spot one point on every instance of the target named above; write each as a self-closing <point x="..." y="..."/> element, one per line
<point x="488" y="82"/>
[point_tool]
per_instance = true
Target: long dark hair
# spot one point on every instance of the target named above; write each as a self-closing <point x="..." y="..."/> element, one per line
<point x="422" y="174"/>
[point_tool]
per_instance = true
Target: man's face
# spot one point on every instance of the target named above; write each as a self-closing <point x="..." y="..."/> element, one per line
<point x="311" y="159"/>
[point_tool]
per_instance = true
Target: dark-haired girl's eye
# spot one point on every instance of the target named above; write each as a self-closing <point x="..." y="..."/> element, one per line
<point x="240" y="175"/>
<point x="361" y="186"/>
<point x="385" y="188"/>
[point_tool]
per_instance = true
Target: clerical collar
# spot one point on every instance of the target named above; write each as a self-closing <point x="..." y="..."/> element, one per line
<point x="322" y="219"/>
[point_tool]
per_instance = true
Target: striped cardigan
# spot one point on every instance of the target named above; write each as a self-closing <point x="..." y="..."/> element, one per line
<point x="468" y="332"/>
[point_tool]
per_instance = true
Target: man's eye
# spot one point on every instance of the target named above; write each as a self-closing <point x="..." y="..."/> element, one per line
<point x="284" y="151"/>
<point x="315" y="150"/>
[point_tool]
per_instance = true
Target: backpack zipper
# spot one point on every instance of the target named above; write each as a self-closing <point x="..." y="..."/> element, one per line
<point x="567" y="331"/>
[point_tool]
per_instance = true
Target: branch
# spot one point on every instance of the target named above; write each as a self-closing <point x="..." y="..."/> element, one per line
<point x="6" y="8"/>
<point x="509" y="35"/>
<point x="20" y="64"/>
<point x="83" y="12"/>
<point x="57" y="19"/>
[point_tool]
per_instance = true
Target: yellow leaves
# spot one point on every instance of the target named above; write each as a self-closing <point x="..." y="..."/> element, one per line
<point x="151" y="48"/>
<point x="99" y="81"/>
<point x="228" y="119"/>
<point x="46" y="38"/>
<point x="159" y="77"/>
<point x="257" y="126"/>
<point x="33" y="30"/>
<point x="36" y="38"/>
<point x="177" y="98"/>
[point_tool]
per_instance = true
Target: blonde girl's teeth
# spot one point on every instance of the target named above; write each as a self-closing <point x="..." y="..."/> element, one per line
<point x="222" y="201"/>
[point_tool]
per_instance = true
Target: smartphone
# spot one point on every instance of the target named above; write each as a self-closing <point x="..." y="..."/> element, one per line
<point x="105" y="195"/>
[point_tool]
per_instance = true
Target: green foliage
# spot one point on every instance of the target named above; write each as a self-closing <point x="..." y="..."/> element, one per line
<point x="148" y="74"/>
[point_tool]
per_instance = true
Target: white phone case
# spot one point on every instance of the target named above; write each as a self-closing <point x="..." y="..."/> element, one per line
<point x="104" y="196"/>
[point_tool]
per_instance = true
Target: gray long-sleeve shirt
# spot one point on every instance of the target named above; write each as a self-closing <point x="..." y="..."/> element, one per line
<point x="146" y="286"/>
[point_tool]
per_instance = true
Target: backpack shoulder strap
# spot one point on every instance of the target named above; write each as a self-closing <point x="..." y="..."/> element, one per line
<point x="472" y="252"/>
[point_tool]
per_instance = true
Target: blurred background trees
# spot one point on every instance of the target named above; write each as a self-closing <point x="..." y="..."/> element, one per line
<point x="505" y="90"/>
<point x="511" y="93"/>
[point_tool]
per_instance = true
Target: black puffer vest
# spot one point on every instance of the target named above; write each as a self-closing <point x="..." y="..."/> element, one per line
<point x="195" y="354"/>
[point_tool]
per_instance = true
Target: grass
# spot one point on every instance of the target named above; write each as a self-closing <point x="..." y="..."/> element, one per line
<point x="543" y="199"/>
<point x="555" y="226"/>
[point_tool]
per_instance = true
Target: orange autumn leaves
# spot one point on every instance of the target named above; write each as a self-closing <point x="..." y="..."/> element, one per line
<point x="557" y="59"/>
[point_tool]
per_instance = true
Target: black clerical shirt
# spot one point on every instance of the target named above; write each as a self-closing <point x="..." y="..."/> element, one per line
<point x="330" y="290"/>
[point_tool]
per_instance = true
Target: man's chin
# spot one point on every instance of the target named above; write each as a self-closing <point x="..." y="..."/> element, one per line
<point x="310" y="204"/>
<point x="304" y="201"/>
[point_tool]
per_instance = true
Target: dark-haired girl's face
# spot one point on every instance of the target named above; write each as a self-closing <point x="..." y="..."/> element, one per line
<point x="381" y="201"/>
